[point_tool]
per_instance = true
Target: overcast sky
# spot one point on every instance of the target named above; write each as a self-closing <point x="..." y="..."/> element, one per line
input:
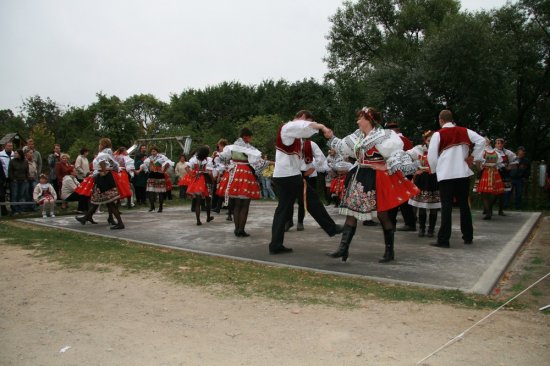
<point x="69" y="50"/>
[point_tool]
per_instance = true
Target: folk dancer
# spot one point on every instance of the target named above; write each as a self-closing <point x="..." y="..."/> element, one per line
<point x="490" y="184"/>
<point x="240" y="185"/>
<point x="107" y="186"/>
<point x="449" y="157"/>
<point x="156" y="165"/>
<point x="201" y="188"/>
<point x="426" y="181"/>
<point x="289" y="181"/>
<point x="313" y="161"/>
<point x="377" y="182"/>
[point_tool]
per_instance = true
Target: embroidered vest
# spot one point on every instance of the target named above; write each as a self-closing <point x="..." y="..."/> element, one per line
<point x="307" y="152"/>
<point x="293" y="149"/>
<point x="453" y="136"/>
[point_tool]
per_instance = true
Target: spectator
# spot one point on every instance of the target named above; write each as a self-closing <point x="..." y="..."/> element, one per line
<point x="18" y="172"/>
<point x="33" y="177"/>
<point x="82" y="165"/>
<point x="265" y="180"/>
<point x="53" y="159"/>
<point x="5" y="156"/>
<point x="45" y="195"/>
<point x="62" y="169"/>
<point x="68" y="194"/>
<point x="36" y="156"/>
<point x="520" y="170"/>
<point x="503" y="166"/>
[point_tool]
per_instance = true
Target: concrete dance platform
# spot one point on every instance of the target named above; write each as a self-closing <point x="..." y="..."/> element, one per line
<point x="471" y="268"/>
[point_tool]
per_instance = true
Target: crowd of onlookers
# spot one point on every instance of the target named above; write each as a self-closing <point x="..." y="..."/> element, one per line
<point x="23" y="177"/>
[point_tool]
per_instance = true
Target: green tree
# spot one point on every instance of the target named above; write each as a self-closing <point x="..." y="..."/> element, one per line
<point x="38" y="110"/>
<point x="111" y="120"/>
<point x="77" y="130"/>
<point x="523" y="33"/>
<point x="9" y="122"/>
<point x="411" y="58"/>
<point x="43" y="141"/>
<point x="264" y="129"/>
<point x="146" y="111"/>
<point x="375" y="53"/>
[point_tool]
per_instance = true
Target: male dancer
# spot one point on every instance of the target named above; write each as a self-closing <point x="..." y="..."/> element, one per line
<point x="288" y="178"/>
<point x="448" y="156"/>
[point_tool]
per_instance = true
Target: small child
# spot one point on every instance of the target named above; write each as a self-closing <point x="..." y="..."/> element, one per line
<point x="44" y="194"/>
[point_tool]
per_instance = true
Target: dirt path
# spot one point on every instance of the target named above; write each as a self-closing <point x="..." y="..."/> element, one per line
<point x="110" y="319"/>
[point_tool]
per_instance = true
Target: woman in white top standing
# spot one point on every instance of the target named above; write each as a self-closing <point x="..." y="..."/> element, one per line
<point x="82" y="165"/>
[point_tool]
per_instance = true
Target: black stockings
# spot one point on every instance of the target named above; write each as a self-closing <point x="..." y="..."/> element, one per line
<point x="113" y="210"/>
<point x="198" y="202"/>
<point x="240" y="213"/>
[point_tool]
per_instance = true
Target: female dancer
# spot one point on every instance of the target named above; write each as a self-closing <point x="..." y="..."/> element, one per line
<point x="490" y="184"/>
<point x="156" y="165"/>
<point x="377" y="182"/>
<point x="201" y="186"/>
<point x="218" y="172"/>
<point x="106" y="181"/>
<point x="240" y="184"/>
<point x="426" y="181"/>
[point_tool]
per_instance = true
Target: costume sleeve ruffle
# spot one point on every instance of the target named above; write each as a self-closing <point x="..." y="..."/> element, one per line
<point x="346" y="146"/>
<point x="400" y="160"/>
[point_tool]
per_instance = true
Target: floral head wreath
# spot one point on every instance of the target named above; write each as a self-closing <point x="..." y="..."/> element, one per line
<point x="427" y="134"/>
<point x="368" y="113"/>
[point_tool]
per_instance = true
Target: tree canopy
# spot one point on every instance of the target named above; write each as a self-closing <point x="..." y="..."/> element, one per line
<point x="407" y="58"/>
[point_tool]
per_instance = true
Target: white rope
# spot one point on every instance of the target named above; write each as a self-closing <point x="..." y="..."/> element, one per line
<point x="461" y="335"/>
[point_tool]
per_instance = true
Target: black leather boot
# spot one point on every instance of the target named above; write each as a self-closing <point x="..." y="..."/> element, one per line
<point x="388" y="240"/>
<point x="422" y="223"/>
<point x="343" y="248"/>
<point x="88" y="216"/>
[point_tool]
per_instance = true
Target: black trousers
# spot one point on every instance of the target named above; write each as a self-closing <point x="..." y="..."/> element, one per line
<point x="312" y="181"/>
<point x="83" y="201"/>
<point x="289" y="189"/>
<point x="459" y="189"/>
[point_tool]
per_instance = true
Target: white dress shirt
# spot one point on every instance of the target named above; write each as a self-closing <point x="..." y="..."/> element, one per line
<point x="289" y="165"/>
<point x="451" y="164"/>
<point x="319" y="162"/>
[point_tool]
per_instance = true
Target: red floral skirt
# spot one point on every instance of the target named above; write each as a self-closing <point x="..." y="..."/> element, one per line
<point x="393" y="190"/>
<point x="122" y="181"/>
<point x="186" y="180"/>
<point x="86" y="186"/>
<point x="201" y="185"/>
<point x="490" y="182"/>
<point x="239" y="182"/>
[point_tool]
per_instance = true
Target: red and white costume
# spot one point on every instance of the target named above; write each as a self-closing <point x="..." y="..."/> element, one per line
<point x="242" y="161"/>
<point x="368" y="189"/>
<point x="201" y="180"/>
